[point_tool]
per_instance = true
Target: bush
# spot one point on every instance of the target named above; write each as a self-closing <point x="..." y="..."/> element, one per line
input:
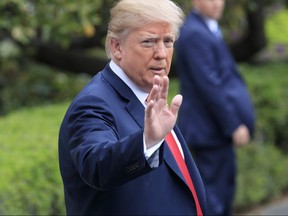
<point x="30" y="180"/>
<point x="263" y="164"/>
<point x="261" y="175"/>
<point x="36" y="84"/>
<point x="269" y="90"/>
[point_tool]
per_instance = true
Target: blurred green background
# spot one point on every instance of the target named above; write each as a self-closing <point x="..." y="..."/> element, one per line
<point x="50" y="49"/>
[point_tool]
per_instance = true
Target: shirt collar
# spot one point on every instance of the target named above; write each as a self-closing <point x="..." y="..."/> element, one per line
<point x="140" y="93"/>
<point x="212" y="24"/>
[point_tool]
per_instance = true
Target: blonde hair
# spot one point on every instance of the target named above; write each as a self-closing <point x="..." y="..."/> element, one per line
<point x="129" y="14"/>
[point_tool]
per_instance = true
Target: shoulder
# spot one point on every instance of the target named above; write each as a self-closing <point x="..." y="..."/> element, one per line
<point x="193" y="24"/>
<point x="98" y="88"/>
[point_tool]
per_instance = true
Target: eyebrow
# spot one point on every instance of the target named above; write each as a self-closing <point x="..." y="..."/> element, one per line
<point x="156" y="36"/>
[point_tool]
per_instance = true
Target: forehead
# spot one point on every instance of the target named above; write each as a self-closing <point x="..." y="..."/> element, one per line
<point x="154" y="29"/>
<point x="210" y="2"/>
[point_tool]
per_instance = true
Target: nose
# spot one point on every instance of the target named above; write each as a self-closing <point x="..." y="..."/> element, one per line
<point x="160" y="51"/>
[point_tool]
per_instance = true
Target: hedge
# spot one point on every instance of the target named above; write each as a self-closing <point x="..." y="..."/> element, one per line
<point x="263" y="164"/>
<point x="30" y="179"/>
<point x="30" y="182"/>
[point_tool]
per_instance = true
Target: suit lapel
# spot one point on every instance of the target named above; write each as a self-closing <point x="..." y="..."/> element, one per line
<point x="171" y="162"/>
<point x="133" y="106"/>
<point x="191" y="166"/>
<point x="169" y="158"/>
<point x="136" y="110"/>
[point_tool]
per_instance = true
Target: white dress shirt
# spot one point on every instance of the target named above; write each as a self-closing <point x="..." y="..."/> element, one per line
<point x="213" y="27"/>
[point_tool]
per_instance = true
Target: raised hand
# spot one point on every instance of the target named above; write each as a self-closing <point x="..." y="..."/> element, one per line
<point x="159" y="117"/>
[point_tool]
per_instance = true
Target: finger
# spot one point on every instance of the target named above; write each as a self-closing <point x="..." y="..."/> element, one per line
<point x="176" y="103"/>
<point x="149" y="110"/>
<point x="154" y="91"/>
<point x="164" y="88"/>
<point x="156" y="80"/>
<point x="152" y="97"/>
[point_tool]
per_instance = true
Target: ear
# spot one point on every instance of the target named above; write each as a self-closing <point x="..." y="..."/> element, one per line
<point x="116" y="48"/>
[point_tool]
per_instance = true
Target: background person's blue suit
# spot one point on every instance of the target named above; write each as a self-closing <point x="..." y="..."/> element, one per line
<point x="215" y="103"/>
<point x="118" y="182"/>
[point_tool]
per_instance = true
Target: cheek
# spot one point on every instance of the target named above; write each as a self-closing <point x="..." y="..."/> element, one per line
<point x="169" y="57"/>
<point x="140" y="62"/>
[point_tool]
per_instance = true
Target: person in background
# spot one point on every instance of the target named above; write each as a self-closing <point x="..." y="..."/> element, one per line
<point x="120" y="152"/>
<point x="216" y="114"/>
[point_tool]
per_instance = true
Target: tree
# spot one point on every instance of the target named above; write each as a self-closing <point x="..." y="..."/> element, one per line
<point x="34" y="26"/>
<point x="246" y="21"/>
<point x="59" y="33"/>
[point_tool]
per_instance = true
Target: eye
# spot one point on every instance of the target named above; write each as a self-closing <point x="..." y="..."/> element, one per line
<point x="148" y="42"/>
<point x="169" y="42"/>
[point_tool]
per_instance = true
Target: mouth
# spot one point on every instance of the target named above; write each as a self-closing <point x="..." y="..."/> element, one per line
<point x="158" y="70"/>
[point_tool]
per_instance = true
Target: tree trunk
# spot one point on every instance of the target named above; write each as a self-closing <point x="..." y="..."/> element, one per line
<point x="69" y="60"/>
<point x="255" y="39"/>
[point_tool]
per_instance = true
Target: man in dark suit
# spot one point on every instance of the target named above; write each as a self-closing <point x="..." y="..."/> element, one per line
<point x="120" y="152"/>
<point x="216" y="113"/>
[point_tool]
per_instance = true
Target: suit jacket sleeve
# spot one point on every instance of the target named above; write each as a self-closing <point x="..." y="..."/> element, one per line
<point x="102" y="158"/>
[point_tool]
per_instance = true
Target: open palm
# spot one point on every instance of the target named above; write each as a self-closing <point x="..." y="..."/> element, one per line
<point x="159" y="117"/>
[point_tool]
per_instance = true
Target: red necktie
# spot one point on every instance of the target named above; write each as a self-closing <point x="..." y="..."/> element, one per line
<point x="182" y="165"/>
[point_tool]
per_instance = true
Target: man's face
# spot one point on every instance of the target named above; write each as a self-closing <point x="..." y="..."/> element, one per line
<point x="210" y="8"/>
<point x="146" y="52"/>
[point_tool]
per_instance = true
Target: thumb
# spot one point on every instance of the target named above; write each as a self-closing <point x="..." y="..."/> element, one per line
<point x="176" y="103"/>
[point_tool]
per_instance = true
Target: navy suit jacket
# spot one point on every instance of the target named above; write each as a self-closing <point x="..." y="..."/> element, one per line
<point x="102" y="163"/>
<point x="215" y="97"/>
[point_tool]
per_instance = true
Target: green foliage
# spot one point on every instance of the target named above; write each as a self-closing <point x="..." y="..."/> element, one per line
<point x="268" y="86"/>
<point x="275" y="24"/>
<point x="263" y="164"/>
<point x="30" y="182"/>
<point x="52" y="20"/>
<point x="29" y="163"/>
<point x="173" y="88"/>
<point x="261" y="177"/>
<point x="276" y="31"/>
<point x="8" y="50"/>
<point x="60" y="21"/>
<point x="37" y="84"/>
